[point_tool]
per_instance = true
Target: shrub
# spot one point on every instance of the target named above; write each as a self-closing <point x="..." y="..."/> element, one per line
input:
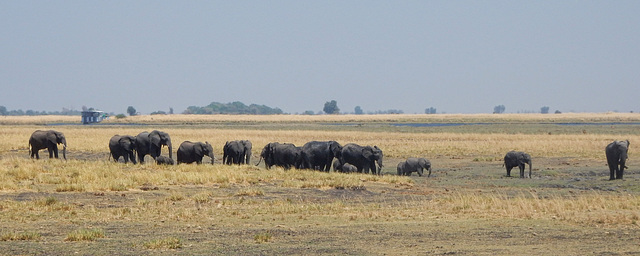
<point x="164" y="243"/>
<point x="85" y="235"/>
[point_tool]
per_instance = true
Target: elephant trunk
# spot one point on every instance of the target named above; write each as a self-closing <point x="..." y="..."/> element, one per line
<point x="170" y="149"/>
<point x="64" y="148"/>
<point x="429" y="169"/>
<point x="211" y="156"/>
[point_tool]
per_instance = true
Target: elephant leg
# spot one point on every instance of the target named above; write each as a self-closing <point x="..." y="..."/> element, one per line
<point x="509" y="171"/>
<point x="612" y="171"/>
<point x="521" y="171"/>
<point x="133" y="158"/>
<point x="620" y="172"/>
<point x="140" y="158"/>
<point x="420" y="172"/>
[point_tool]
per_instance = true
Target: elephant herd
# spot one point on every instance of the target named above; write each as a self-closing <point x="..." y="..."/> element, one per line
<point x="316" y="155"/>
<point x="319" y="155"/>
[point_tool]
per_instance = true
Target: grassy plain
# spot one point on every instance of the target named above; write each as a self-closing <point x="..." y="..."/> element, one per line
<point x="89" y="205"/>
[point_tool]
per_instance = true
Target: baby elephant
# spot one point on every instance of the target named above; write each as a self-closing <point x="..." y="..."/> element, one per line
<point x="164" y="160"/>
<point x="414" y="164"/>
<point x="347" y="167"/>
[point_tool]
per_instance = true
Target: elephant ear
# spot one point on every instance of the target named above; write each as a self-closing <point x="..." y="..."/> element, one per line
<point x="208" y="147"/>
<point x="154" y="138"/>
<point x="198" y="149"/>
<point x="335" y="148"/>
<point x="123" y="142"/>
<point x="367" y="152"/>
<point x="623" y="144"/>
<point x="52" y="137"/>
<point x="524" y="158"/>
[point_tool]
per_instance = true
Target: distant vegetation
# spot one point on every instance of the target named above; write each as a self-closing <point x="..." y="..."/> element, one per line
<point x="233" y="108"/>
<point x="430" y="110"/>
<point x="331" y="107"/>
<point x="29" y="112"/>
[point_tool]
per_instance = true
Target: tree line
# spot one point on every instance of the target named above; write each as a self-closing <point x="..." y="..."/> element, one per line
<point x="239" y="108"/>
<point x="19" y="112"/>
<point x="233" y="108"/>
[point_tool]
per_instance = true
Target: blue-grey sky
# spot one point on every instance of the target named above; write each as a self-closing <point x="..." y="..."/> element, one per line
<point x="456" y="56"/>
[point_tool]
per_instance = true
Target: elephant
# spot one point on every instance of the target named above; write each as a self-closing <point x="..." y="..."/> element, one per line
<point x="49" y="140"/>
<point x="151" y="144"/>
<point x="400" y="167"/>
<point x="285" y="155"/>
<point x="346" y="168"/>
<point x="517" y="158"/>
<point x="318" y="155"/>
<point x="237" y="152"/>
<point x="190" y="152"/>
<point x="616" y="158"/>
<point x="125" y="146"/>
<point x="363" y="158"/>
<point x="414" y="164"/>
<point x="163" y="160"/>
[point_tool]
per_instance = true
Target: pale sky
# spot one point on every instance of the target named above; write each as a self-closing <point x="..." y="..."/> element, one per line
<point x="456" y="56"/>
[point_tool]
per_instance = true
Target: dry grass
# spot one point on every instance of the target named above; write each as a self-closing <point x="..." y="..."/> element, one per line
<point x="164" y="243"/>
<point x="84" y="234"/>
<point x="94" y="140"/>
<point x="219" y="207"/>
<point x="79" y="176"/>
<point x="13" y="236"/>
<point x="586" y="208"/>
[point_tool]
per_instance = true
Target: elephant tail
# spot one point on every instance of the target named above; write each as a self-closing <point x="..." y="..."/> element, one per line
<point x="259" y="161"/>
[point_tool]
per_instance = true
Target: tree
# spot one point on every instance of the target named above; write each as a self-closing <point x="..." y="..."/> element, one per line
<point x="358" y="110"/>
<point x="3" y="110"/>
<point x="498" y="109"/>
<point x="544" y="110"/>
<point x="331" y="107"/>
<point x="430" y="110"/>
<point x="170" y="111"/>
<point x="309" y="112"/>
<point x="131" y="111"/>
